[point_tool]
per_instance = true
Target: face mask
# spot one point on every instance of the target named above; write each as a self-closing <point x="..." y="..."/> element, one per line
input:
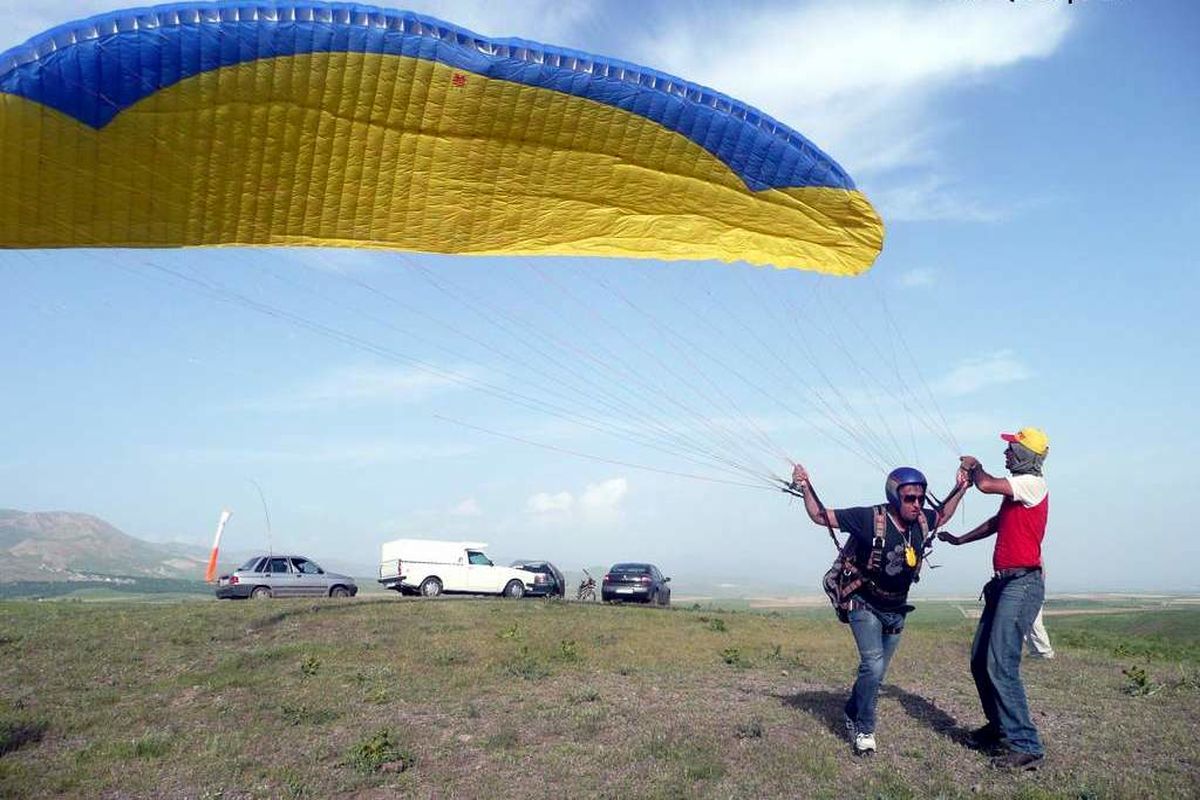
<point x="1025" y="461"/>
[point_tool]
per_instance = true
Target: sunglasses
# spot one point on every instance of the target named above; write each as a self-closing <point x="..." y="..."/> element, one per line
<point x="912" y="498"/>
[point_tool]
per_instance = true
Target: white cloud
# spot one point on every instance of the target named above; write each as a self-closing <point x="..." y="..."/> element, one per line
<point x="864" y="81"/>
<point x="596" y="503"/>
<point x="932" y="198"/>
<point x="546" y="503"/>
<point x="970" y="376"/>
<point x="467" y="508"/>
<point x="605" y="496"/>
<point x="914" y="278"/>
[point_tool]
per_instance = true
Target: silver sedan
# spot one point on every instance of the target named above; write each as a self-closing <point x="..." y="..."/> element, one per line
<point x="283" y="576"/>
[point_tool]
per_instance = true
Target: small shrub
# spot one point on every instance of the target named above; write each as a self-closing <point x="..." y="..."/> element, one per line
<point x="588" y="695"/>
<point x="380" y="748"/>
<point x="16" y="733"/>
<point x="310" y="666"/>
<point x="749" y="730"/>
<point x="512" y="632"/>
<point x="1137" y="682"/>
<point x="378" y="696"/>
<point x="568" y="650"/>
<point x="717" y="625"/>
<point x="733" y="657"/>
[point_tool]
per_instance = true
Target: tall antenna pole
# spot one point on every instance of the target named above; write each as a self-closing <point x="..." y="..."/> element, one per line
<point x="267" y="514"/>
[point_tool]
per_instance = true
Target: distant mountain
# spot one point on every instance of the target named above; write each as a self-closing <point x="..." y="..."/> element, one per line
<point x="68" y="546"/>
<point x="62" y="545"/>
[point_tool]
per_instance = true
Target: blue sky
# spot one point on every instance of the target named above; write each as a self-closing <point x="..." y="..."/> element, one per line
<point x="1034" y="162"/>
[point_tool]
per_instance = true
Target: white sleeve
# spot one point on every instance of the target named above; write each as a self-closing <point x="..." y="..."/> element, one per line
<point x="1029" y="490"/>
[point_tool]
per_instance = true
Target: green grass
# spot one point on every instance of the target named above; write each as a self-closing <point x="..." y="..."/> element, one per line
<point x="1169" y="635"/>
<point x="495" y="698"/>
<point x="135" y="589"/>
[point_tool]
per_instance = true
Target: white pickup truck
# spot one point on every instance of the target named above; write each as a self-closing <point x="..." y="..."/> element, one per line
<point x="430" y="567"/>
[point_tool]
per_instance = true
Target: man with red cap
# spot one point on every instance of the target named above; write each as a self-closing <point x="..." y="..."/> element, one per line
<point x="1013" y="597"/>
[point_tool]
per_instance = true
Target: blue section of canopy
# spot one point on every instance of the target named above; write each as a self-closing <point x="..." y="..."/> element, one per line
<point x="94" y="69"/>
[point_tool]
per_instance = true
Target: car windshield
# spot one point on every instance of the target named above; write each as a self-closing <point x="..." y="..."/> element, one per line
<point x="532" y="566"/>
<point x="631" y="569"/>
<point x="249" y="565"/>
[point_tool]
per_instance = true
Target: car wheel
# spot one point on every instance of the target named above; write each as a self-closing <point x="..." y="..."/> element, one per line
<point x="654" y="598"/>
<point x="431" y="587"/>
<point x="339" y="591"/>
<point x="261" y="593"/>
<point x="666" y="603"/>
<point x="514" y="590"/>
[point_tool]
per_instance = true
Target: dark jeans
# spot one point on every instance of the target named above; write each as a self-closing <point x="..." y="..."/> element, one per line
<point x="1009" y="611"/>
<point x="875" y="649"/>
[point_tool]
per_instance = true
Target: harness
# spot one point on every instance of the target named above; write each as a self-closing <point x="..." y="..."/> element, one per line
<point x="847" y="577"/>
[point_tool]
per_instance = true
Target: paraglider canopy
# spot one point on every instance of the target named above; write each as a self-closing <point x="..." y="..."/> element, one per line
<point x="313" y="123"/>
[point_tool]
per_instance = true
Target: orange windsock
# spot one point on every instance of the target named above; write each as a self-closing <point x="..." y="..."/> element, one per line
<point x="210" y="574"/>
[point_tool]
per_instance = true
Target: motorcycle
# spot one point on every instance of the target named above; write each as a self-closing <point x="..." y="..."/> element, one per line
<point x="587" y="588"/>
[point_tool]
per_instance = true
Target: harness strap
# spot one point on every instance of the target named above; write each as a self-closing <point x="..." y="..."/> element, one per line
<point x="875" y="559"/>
<point x="925" y="541"/>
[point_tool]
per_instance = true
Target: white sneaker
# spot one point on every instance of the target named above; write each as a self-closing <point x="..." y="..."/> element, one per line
<point x="864" y="744"/>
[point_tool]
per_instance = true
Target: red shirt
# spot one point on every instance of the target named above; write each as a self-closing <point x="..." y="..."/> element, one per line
<point x="1020" y="528"/>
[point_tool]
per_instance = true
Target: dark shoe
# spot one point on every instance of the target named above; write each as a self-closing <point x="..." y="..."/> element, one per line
<point x="1018" y="761"/>
<point x="986" y="738"/>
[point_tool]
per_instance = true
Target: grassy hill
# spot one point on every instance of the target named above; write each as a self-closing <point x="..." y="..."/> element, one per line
<point x="487" y="698"/>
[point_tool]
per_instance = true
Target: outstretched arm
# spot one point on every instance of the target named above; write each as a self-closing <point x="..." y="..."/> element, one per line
<point x="951" y="505"/>
<point x="983" y="531"/>
<point x="819" y="516"/>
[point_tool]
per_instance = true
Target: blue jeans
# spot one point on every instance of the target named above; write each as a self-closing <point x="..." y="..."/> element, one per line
<point x="1009" y="610"/>
<point x="875" y="650"/>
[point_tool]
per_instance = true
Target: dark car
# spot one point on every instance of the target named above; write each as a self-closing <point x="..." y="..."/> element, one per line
<point x="637" y="583"/>
<point x="548" y="581"/>
<point x="283" y="576"/>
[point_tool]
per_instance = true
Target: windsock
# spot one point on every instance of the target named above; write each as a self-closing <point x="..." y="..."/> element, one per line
<point x="210" y="574"/>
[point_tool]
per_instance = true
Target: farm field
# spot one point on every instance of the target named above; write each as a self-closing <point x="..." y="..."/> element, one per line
<point x="386" y="697"/>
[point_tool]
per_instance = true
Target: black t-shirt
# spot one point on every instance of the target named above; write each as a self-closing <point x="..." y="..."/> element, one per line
<point x="895" y="576"/>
